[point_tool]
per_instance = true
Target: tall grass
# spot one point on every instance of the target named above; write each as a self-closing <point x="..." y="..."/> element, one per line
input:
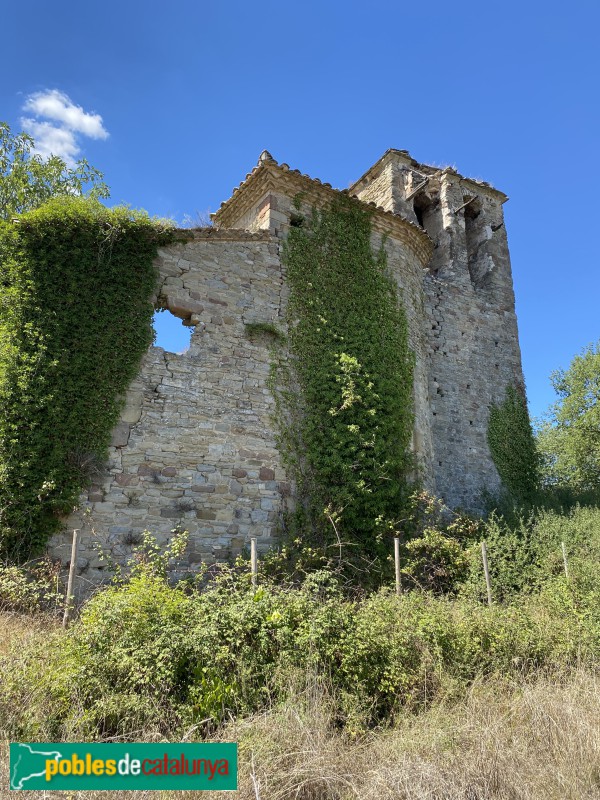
<point x="520" y="740"/>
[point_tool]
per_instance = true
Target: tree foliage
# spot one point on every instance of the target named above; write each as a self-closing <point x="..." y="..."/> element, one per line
<point x="570" y="440"/>
<point x="347" y="389"/>
<point x="513" y="448"/>
<point x="76" y="306"/>
<point x="27" y="180"/>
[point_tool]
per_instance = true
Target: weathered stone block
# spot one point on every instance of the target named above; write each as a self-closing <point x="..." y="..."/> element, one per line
<point x="120" y="435"/>
<point x="126" y="480"/>
<point x="146" y="470"/>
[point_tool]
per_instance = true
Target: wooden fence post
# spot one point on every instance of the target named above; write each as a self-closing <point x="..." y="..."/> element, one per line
<point x="253" y="560"/>
<point x="397" y="564"/>
<point x="486" y="570"/>
<point x="72" y="568"/>
<point x="565" y="562"/>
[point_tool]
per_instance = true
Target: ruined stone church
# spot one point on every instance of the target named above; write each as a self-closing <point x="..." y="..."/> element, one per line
<point x="195" y="447"/>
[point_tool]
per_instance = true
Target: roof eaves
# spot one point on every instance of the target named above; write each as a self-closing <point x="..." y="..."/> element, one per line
<point x="273" y="172"/>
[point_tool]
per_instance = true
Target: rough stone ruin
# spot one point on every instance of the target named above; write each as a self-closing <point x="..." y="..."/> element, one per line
<point x="195" y="448"/>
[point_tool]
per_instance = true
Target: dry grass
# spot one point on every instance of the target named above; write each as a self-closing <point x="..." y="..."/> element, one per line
<point x="531" y="742"/>
<point x="20" y="629"/>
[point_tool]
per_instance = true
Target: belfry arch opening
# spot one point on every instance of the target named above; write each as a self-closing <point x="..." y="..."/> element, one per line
<point x="475" y="237"/>
<point x="425" y="207"/>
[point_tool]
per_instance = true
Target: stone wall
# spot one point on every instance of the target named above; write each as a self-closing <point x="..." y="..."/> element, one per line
<point x="473" y="341"/>
<point x="472" y="351"/>
<point x="195" y="448"/>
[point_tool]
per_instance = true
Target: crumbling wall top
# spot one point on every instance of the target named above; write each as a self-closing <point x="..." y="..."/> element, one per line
<point x="404" y="158"/>
<point x="269" y="176"/>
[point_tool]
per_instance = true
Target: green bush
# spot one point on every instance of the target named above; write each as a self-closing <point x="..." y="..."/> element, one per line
<point x="31" y="587"/>
<point x="435" y="562"/>
<point x="153" y="657"/>
<point x="75" y="319"/>
<point x="144" y="655"/>
<point x="526" y="555"/>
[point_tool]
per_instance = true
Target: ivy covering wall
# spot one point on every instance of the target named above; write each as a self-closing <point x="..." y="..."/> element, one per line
<point x="345" y="391"/>
<point x="513" y="448"/>
<point x="76" y="287"/>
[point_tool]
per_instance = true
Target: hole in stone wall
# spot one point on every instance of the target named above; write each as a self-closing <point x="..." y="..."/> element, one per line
<point x="419" y="214"/>
<point x="475" y="223"/>
<point x="296" y="220"/>
<point x="424" y="207"/>
<point x="472" y="210"/>
<point x="171" y="335"/>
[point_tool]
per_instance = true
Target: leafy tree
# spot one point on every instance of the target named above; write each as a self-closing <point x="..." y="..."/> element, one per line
<point x="513" y="448"/>
<point x="27" y="180"/>
<point x="570" y="440"/>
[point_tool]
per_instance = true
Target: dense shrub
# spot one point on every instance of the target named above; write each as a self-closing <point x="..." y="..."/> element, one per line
<point x="144" y="655"/>
<point x="32" y="587"/>
<point x="526" y="555"/>
<point x="148" y="656"/>
<point x="76" y="291"/>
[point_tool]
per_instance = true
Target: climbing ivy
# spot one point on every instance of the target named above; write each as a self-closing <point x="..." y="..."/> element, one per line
<point x="76" y="288"/>
<point x="512" y="445"/>
<point x="345" y="391"/>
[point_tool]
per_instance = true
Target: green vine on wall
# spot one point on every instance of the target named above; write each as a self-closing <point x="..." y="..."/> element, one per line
<point x="76" y="292"/>
<point x="512" y="445"/>
<point x="344" y="392"/>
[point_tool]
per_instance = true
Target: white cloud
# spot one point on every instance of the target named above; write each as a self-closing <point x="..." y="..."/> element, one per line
<point x="69" y="122"/>
<point x="51" y="140"/>
<point x="58" y="106"/>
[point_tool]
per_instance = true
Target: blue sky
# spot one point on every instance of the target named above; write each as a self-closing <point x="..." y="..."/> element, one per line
<point x="175" y="106"/>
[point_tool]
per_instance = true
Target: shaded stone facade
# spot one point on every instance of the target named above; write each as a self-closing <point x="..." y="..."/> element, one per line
<point x="196" y="447"/>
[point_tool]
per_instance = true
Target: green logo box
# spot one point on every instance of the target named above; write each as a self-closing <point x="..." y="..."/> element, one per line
<point x="61" y="766"/>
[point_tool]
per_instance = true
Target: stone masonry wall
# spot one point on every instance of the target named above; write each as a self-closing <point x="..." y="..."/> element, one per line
<point x="195" y="448"/>
<point x="469" y="321"/>
<point x="473" y="341"/>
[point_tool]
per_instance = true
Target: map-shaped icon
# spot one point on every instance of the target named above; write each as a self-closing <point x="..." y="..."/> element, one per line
<point x="27" y="762"/>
